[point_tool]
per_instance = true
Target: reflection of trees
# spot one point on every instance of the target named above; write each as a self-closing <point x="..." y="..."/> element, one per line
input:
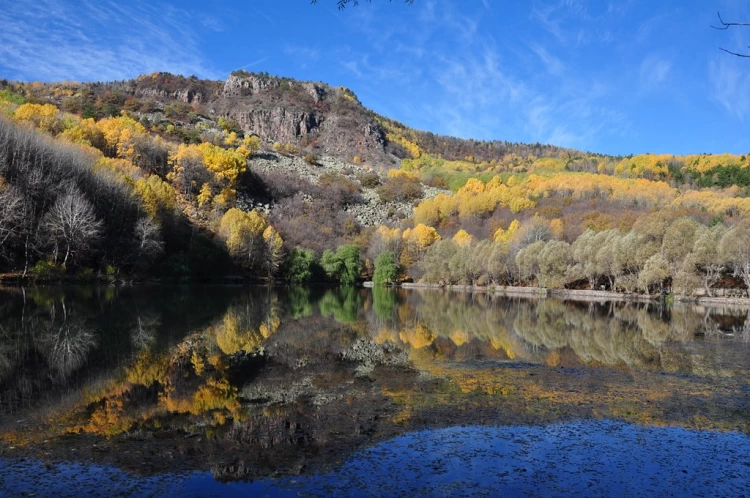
<point x="246" y="324"/>
<point x="143" y="333"/>
<point x="65" y="340"/>
<point x="611" y="334"/>
<point x="384" y="301"/>
<point x="299" y="302"/>
<point x="341" y="303"/>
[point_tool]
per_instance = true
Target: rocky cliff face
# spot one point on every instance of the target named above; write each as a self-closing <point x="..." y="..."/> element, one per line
<point x="328" y="120"/>
<point x="278" y="124"/>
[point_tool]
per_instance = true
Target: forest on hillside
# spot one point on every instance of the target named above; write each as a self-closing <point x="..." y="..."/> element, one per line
<point x="92" y="187"/>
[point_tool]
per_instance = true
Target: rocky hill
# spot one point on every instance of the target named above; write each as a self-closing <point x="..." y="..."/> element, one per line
<point x="309" y="116"/>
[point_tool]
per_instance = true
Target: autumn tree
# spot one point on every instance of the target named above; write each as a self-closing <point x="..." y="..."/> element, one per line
<point x="243" y="235"/>
<point x="274" y="250"/>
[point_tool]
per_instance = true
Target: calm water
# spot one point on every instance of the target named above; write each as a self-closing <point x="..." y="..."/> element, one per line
<point x="221" y="391"/>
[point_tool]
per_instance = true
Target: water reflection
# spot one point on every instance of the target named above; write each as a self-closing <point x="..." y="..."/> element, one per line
<point x="304" y="375"/>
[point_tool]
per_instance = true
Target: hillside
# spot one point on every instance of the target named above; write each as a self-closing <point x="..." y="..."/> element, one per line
<point x="310" y="116"/>
<point x="276" y="178"/>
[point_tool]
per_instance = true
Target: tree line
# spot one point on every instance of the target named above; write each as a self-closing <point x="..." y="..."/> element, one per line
<point x="659" y="254"/>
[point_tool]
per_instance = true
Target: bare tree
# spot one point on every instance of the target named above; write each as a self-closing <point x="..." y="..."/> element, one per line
<point x="723" y="26"/>
<point x="11" y="219"/>
<point x="148" y="239"/>
<point x="72" y="223"/>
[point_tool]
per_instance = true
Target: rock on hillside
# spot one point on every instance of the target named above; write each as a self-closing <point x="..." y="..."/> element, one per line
<point x="371" y="212"/>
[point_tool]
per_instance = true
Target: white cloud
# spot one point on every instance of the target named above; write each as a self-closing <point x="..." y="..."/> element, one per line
<point x="654" y="71"/>
<point x="553" y="64"/>
<point x="98" y="41"/>
<point x="730" y="80"/>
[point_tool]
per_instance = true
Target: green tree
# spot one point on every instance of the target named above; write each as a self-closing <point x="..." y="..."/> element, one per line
<point x="386" y="269"/>
<point x="299" y="266"/>
<point x="345" y="265"/>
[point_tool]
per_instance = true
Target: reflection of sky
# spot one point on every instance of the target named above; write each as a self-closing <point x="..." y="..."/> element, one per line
<point x="586" y="458"/>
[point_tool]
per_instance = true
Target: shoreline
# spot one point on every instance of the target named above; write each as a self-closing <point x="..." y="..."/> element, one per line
<point x="575" y="294"/>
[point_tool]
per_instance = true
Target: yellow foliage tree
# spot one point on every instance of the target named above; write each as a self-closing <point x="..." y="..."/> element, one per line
<point x="506" y="236"/>
<point x="42" y="116"/>
<point x="462" y="238"/>
<point x="204" y="197"/>
<point x="274" y="249"/>
<point x="120" y="135"/>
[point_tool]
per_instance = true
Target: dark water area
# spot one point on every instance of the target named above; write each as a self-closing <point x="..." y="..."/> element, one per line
<point x="213" y="390"/>
<point x="578" y="459"/>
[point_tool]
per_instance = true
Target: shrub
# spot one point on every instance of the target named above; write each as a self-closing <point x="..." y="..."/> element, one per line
<point x="400" y="190"/>
<point x="86" y="275"/>
<point x="369" y="179"/>
<point x="45" y="269"/>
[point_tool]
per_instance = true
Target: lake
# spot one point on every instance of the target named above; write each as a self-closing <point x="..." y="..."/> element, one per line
<point x="219" y="391"/>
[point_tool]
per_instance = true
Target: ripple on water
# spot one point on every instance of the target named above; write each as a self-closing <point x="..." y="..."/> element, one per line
<point x="586" y="458"/>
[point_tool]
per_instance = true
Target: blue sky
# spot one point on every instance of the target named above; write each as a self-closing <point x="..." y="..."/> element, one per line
<point x="617" y="77"/>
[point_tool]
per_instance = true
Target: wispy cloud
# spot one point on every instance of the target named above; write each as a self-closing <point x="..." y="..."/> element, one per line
<point x="654" y="71"/>
<point x="730" y="81"/>
<point x="553" y="64"/>
<point x="99" y="41"/>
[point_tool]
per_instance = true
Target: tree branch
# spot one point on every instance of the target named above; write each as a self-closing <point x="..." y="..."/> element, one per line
<point x="724" y="25"/>
<point x="734" y="53"/>
<point x="343" y="3"/>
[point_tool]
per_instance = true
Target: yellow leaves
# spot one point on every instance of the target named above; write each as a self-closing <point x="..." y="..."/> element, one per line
<point x="204" y="197"/>
<point x="401" y="174"/>
<point x="472" y="187"/>
<point x="239" y="229"/>
<point x="250" y="145"/>
<point x="120" y="134"/>
<point x="231" y="139"/>
<point x="215" y="395"/>
<point x="644" y="165"/>
<point x="557" y="228"/>
<point x="417" y="337"/>
<point x="237" y="334"/>
<point x="157" y="195"/>
<point x="422" y="236"/>
<point x="506" y="236"/>
<point x="42" y="116"/>
<point x="85" y="132"/>
<point x="388" y="234"/>
<point x="199" y="364"/>
<point x="462" y="238"/>
<point x="274" y="248"/>
<point x="147" y="369"/>
<point x="433" y="211"/>
<point x="225" y="164"/>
